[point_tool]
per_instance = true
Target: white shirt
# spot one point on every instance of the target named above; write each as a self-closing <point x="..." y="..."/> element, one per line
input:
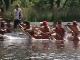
<point x="17" y="14"/>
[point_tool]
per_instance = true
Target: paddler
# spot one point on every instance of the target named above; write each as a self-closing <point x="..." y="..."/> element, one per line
<point x="29" y="28"/>
<point x="74" y="28"/>
<point x="45" y="30"/>
<point x="59" y="30"/>
<point x="2" y="27"/>
<point x="59" y="35"/>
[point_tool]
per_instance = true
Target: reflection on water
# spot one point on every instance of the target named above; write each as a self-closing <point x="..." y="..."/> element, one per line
<point x="16" y="48"/>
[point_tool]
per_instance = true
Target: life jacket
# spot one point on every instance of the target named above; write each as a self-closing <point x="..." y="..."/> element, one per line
<point x="60" y="31"/>
<point x="31" y="32"/>
<point x="74" y="30"/>
<point x="45" y="29"/>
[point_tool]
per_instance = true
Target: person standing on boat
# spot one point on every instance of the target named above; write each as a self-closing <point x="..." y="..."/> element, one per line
<point x="17" y="15"/>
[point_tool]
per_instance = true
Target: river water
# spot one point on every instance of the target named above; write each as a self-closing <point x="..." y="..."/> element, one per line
<point x="17" y="48"/>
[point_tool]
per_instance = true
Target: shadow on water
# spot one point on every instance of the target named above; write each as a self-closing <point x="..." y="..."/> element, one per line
<point x="15" y="48"/>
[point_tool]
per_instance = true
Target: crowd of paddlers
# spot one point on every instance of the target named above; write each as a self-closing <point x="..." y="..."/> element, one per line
<point x="55" y="31"/>
<point x="44" y="31"/>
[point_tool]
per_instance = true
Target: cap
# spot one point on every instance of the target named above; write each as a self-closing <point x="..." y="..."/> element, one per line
<point x="45" y="22"/>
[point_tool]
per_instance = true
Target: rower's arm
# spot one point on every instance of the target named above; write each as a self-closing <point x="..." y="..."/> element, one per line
<point x="69" y="29"/>
<point x="78" y="28"/>
<point x="29" y="30"/>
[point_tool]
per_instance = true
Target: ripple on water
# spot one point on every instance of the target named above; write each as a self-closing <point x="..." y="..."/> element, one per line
<point x="16" y="48"/>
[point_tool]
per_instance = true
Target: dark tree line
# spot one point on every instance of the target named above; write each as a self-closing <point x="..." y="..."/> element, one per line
<point x="51" y="2"/>
<point x="7" y="2"/>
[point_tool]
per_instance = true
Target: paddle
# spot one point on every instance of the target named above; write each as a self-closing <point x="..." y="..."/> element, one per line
<point x="22" y="29"/>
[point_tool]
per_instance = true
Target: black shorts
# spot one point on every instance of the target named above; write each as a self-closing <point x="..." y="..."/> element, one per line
<point x="16" y="23"/>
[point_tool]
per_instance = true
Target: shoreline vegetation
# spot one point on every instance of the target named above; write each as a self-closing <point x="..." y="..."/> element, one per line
<point x="39" y="10"/>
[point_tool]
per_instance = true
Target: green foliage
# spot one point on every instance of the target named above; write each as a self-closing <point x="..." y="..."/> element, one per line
<point x="50" y="10"/>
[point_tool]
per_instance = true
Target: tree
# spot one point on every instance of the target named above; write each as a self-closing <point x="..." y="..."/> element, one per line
<point x="65" y="3"/>
<point x="12" y="1"/>
<point x="58" y="3"/>
<point x="7" y="4"/>
<point x="51" y="4"/>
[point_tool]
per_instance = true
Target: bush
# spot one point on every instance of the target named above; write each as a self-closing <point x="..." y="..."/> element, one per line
<point x="35" y="10"/>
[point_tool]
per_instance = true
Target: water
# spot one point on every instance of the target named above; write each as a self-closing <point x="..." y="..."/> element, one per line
<point x="17" y="48"/>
